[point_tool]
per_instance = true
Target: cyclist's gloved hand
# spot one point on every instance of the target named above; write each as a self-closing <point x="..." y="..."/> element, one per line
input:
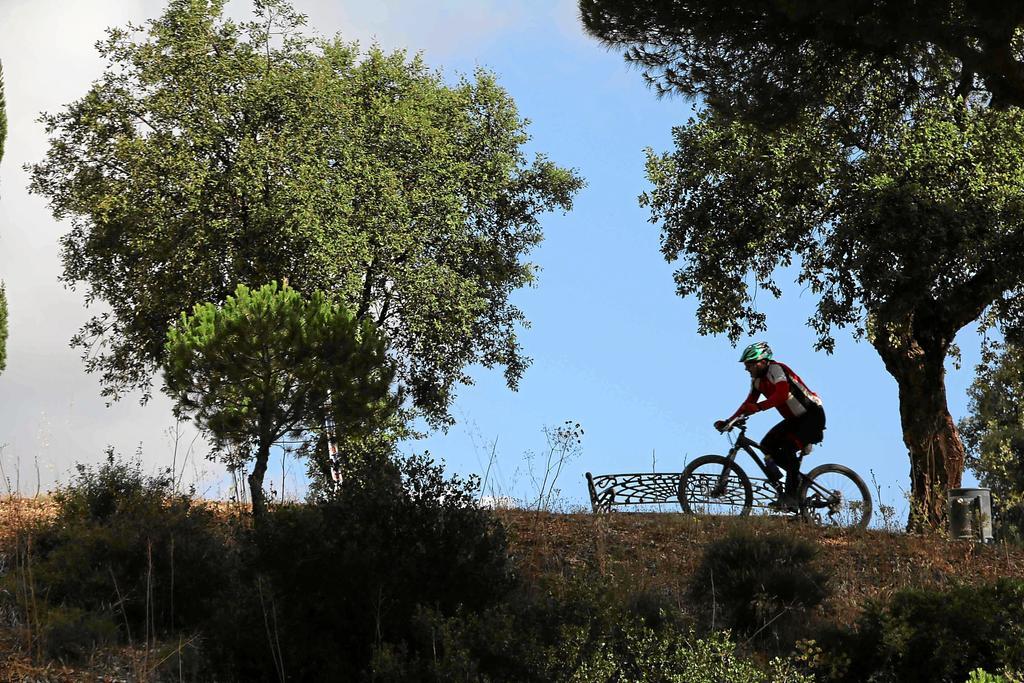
<point x="720" y="425"/>
<point x="749" y="408"/>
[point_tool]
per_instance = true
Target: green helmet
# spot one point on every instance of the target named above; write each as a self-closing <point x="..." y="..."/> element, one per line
<point x="756" y="351"/>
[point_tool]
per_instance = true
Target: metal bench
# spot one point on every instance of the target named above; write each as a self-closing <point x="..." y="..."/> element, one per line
<point x="608" y="491"/>
<point x="642" y="488"/>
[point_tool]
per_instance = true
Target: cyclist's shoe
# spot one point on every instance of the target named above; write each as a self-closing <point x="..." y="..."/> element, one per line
<point x="785" y="503"/>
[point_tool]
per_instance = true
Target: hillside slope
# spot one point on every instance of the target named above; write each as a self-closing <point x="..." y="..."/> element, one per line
<point x="660" y="551"/>
<point x="628" y="555"/>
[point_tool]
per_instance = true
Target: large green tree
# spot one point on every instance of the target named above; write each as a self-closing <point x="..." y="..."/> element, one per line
<point x="211" y="152"/>
<point x="878" y="154"/>
<point x="264" y="365"/>
<point x="907" y="235"/>
<point x="994" y="430"/>
<point x="767" y="60"/>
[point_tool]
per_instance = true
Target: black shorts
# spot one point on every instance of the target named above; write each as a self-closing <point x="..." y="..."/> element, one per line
<point x="796" y="432"/>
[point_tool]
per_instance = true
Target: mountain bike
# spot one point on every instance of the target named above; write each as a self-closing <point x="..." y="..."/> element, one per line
<point x="829" y="495"/>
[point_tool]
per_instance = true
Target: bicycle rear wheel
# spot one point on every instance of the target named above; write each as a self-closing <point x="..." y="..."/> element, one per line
<point x="713" y="485"/>
<point x="834" y="495"/>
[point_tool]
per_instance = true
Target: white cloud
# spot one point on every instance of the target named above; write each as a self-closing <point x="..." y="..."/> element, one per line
<point x="51" y="412"/>
<point x="441" y="29"/>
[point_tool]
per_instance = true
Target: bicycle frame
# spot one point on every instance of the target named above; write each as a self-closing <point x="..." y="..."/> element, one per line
<point x="830" y="494"/>
<point x="745" y="443"/>
<point x="752" y="448"/>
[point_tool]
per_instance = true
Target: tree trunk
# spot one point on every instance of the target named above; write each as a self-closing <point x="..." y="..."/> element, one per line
<point x="321" y="457"/>
<point x="259" y="471"/>
<point x="916" y="358"/>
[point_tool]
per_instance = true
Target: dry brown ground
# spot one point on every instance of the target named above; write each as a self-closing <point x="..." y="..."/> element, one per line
<point x="660" y="551"/>
<point x="655" y="552"/>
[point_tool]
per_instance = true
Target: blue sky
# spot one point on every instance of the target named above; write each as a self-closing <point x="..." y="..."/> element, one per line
<point x="613" y="347"/>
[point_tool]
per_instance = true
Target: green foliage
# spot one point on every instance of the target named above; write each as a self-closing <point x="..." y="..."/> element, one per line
<point x="866" y="146"/>
<point x="923" y="214"/>
<point x="614" y="646"/>
<point x="641" y="654"/>
<point x="266" y="363"/>
<point x="538" y="633"/>
<point x="348" y="574"/>
<point x="645" y="656"/>
<point x="115" y="488"/>
<point x="905" y="221"/>
<point x="769" y="60"/>
<point x="71" y="634"/>
<point x="993" y="433"/>
<point x="982" y="676"/>
<point x="211" y="153"/>
<point x="122" y="549"/>
<point x="576" y="632"/>
<point x="759" y="586"/>
<point x="931" y="635"/>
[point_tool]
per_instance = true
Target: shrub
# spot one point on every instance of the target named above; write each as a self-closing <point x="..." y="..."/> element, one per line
<point x="329" y="582"/>
<point x="933" y="635"/>
<point x="644" y="655"/>
<point x="982" y="676"/>
<point x="580" y="632"/>
<point x="125" y="549"/>
<point x="655" y="608"/>
<point x="758" y="585"/>
<point x="600" y="650"/>
<point x="536" y="634"/>
<point x="71" y="634"/>
<point x="117" y="486"/>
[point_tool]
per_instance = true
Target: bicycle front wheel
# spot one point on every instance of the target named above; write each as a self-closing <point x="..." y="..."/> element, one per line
<point x="835" y="496"/>
<point x="713" y="485"/>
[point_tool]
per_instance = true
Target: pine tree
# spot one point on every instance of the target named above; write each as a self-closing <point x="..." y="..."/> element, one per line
<point x="263" y="365"/>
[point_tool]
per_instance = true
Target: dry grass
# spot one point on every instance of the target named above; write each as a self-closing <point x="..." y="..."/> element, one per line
<point x="660" y="551"/>
<point x="18" y="513"/>
<point x="113" y="664"/>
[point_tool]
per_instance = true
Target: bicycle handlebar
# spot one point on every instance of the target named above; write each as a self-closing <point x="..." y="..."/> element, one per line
<point x="739" y="421"/>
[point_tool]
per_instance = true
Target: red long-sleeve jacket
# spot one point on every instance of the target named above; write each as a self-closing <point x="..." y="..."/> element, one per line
<point x="782" y="389"/>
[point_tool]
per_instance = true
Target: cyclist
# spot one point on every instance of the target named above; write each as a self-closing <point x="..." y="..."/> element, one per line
<point x="803" y="415"/>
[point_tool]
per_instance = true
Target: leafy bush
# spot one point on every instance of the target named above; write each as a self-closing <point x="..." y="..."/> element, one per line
<point x="125" y="549"/>
<point x="328" y="582"/>
<point x="612" y="646"/>
<point x="581" y="631"/>
<point x="932" y="635"/>
<point x="535" y="634"/>
<point x="72" y="634"/>
<point x="644" y="655"/>
<point x="98" y="494"/>
<point x="758" y="585"/>
<point x="982" y="676"/>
